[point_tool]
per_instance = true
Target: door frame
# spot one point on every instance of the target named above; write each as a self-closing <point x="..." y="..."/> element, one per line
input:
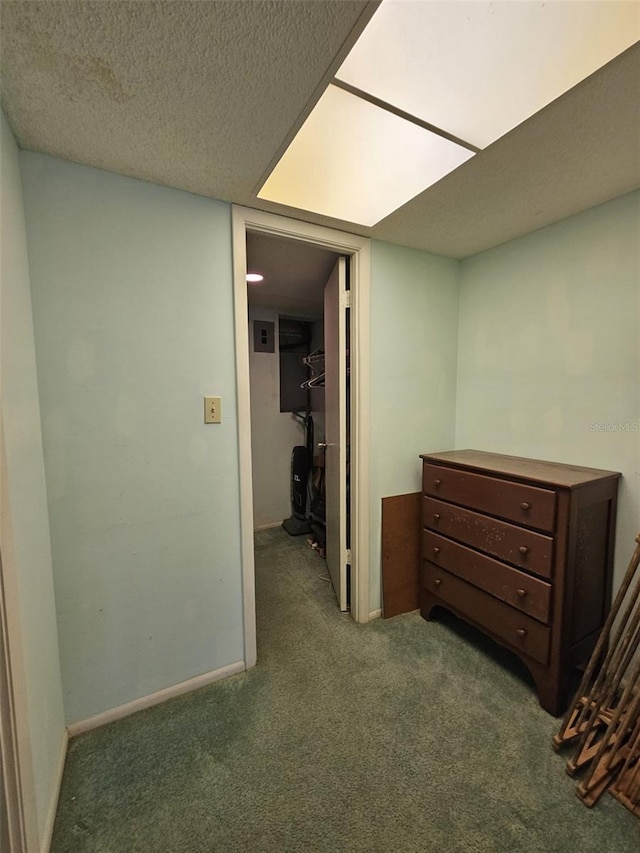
<point x="335" y="430"/>
<point x="15" y="742"/>
<point x="10" y="766"/>
<point x="359" y="251"/>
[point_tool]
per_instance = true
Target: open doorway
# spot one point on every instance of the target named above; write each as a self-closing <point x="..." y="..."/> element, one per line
<point x="286" y="327"/>
<point x="291" y="459"/>
<point x="356" y="250"/>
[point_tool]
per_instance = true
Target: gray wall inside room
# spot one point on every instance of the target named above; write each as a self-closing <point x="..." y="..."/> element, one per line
<point x="273" y="433"/>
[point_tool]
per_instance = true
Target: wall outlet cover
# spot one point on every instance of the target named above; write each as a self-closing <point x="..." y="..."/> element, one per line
<point x="264" y="336"/>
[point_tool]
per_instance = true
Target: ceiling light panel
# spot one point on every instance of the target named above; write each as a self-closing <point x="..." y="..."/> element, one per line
<point x="354" y="161"/>
<point x="478" y="69"/>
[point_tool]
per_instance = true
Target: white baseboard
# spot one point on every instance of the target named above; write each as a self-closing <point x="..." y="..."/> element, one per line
<point x="267" y="526"/>
<point x="375" y="614"/>
<point x="152" y="699"/>
<point x="47" y="834"/>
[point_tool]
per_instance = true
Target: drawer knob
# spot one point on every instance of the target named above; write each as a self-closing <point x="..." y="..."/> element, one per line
<point x="522" y="593"/>
<point x="436" y="550"/>
<point x="436" y="516"/>
<point x="436" y="483"/>
<point x="525" y="505"/>
<point x="524" y="550"/>
<point x="437" y="582"/>
<point x="521" y="632"/>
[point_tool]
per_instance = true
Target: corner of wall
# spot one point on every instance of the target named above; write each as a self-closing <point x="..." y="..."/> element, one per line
<point x="28" y="574"/>
<point x="459" y="288"/>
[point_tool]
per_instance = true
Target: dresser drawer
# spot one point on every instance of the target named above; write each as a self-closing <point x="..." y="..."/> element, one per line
<point x="525" y="592"/>
<point x="525" y="635"/>
<point x="524" y="548"/>
<point x="514" y="501"/>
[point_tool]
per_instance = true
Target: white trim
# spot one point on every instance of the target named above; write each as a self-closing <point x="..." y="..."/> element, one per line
<point x="375" y="614"/>
<point x="358" y="248"/>
<point x="360" y="350"/>
<point x="269" y="526"/>
<point x="14" y="727"/>
<point x="47" y="834"/>
<point x="243" y="392"/>
<point x="152" y="699"/>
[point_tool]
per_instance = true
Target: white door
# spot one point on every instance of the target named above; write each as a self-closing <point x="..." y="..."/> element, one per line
<point x="335" y="400"/>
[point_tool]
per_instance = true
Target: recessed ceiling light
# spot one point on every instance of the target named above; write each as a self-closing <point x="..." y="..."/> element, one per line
<point x="354" y="161"/>
<point x="254" y="277"/>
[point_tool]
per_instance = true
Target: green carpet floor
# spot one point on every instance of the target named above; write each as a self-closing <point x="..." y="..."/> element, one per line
<point x="399" y="735"/>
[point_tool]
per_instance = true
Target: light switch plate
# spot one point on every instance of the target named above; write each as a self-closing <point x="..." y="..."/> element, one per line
<point x="212" y="410"/>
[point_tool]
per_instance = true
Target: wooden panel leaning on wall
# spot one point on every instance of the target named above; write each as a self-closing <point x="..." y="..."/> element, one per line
<point x="400" y="554"/>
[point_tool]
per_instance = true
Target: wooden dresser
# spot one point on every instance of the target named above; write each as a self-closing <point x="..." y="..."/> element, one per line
<point x="523" y="550"/>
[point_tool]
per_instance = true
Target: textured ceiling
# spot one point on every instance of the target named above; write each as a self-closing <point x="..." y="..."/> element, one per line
<point x="205" y="96"/>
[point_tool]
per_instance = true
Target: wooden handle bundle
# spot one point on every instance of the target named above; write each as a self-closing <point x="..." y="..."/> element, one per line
<point x="603" y="721"/>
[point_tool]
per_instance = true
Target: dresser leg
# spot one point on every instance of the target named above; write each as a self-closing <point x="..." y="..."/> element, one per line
<point x="552" y="693"/>
<point x="550" y="686"/>
<point x="427" y="603"/>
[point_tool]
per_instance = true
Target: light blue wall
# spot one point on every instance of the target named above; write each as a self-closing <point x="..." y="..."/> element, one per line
<point x="133" y="314"/>
<point x="414" y="318"/>
<point x="550" y="346"/>
<point x="134" y="324"/>
<point x="27" y="509"/>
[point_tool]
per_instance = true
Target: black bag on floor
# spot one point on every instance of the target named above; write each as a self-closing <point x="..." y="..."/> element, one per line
<point x="300" y="471"/>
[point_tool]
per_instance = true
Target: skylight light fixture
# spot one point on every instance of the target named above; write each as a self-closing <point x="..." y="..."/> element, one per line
<point x="427" y="85"/>
<point x="478" y="69"/>
<point x="354" y="161"/>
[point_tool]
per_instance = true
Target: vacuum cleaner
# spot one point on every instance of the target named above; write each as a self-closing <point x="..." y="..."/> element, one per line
<point x="299" y="522"/>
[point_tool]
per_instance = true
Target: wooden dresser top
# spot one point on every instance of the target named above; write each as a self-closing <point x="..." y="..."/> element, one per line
<point x="551" y="473"/>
